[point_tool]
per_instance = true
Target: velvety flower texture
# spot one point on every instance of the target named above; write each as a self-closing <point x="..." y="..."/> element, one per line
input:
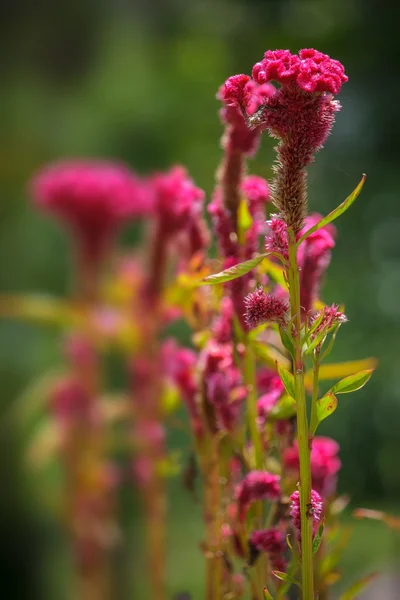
<point x="264" y="308"/>
<point x="177" y="200"/>
<point x="316" y="509"/>
<point x="273" y="543"/>
<point x="94" y="197"/>
<point x="256" y="485"/>
<point x="325" y="464"/>
<point x="311" y="70"/>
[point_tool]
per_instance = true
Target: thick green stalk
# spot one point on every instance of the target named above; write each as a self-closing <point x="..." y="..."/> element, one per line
<point x="302" y="426"/>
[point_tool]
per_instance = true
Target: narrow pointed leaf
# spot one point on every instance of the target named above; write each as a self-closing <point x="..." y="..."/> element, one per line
<point x="267" y="595"/>
<point x="285" y="577"/>
<point x="234" y="272"/>
<point x="286" y="341"/>
<point x="284" y="409"/>
<point x="352" y="383"/>
<point x="318" y="537"/>
<point x="354" y="591"/>
<point x="339" y="210"/>
<point x="326" y="406"/>
<point x="287" y="380"/>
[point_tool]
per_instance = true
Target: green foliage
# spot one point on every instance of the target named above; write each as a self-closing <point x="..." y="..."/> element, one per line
<point x="234" y="272"/>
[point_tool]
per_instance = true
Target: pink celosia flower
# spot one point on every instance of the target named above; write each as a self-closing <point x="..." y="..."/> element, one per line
<point x="331" y="316"/>
<point x="325" y="464"/>
<point x="315" y="510"/>
<point x="256" y="485"/>
<point x="271" y="387"/>
<point x="276" y="239"/>
<point x="178" y="202"/>
<point x="264" y="308"/>
<point x="223" y="225"/>
<point x="256" y="190"/>
<point x="70" y="402"/>
<point x="311" y="70"/>
<point x="273" y="543"/>
<point x="95" y="198"/>
<point x="226" y="395"/>
<point x="313" y="257"/>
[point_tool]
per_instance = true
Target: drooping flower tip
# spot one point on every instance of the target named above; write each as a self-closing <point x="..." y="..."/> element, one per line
<point x="264" y="308"/>
<point x="276" y="239"/>
<point x="256" y="190"/>
<point x="178" y="201"/>
<point x="256" y="485"/>
<point x="311" y="70"/>
<point x="315" y="509"/>
<point x="95" y="195"/>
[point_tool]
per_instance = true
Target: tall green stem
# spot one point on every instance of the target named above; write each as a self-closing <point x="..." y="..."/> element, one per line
<point x="302" y="426"/>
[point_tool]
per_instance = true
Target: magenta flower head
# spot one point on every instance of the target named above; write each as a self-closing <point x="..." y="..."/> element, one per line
<point x="315" y="510"/>
<point x="273" y="543"/>
<point x="94" y="198"/>
<point x="331" y="316"/>
<point x="325" y="464"/>
<point x="256" y="190"/>
<point x="177" y="200"/>
<point x="265" y="308"/>
<point x="256" y="485"/>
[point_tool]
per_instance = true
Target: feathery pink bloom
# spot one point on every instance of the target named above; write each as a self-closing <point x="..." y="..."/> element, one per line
<point x="177" y="201"/>
<point x="256" y="485"/>
<point x="331" y="316"/>
<point x="325" y="464"/>
<point x="93" y="197"/>
<point x="264" y="308"/>
<point x="276" y="239"/>
<point x="315" y="510"/>
<point x="273" y="543"/>
<point x="256" y="190"/>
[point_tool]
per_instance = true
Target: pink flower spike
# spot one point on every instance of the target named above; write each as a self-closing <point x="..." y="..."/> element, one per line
<point x="256" y="485"/>
<point x="256" y="190"/>
<point x="276" y="239"/>
<point x="263" y="308"/>
<point x="316" y="510"/>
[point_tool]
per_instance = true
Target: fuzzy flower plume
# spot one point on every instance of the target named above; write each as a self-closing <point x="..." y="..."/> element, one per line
<point x="265" y="308"/>
<point x="325" y="464"/>
<point x="313" y="257"/>
<point x="256" y="485"/>
<point x="273" y="543"/>
<point x="315" y="510"/>
<point x="331" y="316"/>
<point x="300" y="114"/>
<point x="94" y="198"/>
<point x="276" y="239"/>
<point x="178" y="202"/>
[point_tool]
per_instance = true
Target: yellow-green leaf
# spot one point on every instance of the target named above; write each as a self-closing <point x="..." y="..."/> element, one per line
<point x="267" y="595"/>
<point x="285" y="408"/>
<point x="234" y="272"/>
<point x="287" y="380"/>
<point x="318" y="537"/>
<point x="326" y="406"/>
<point x="245" y="220"/>
<point x="352" y="383"/>
<point x="285" y="577"/>
<point x="336" y="370"/>
<point x="339" y="210"/>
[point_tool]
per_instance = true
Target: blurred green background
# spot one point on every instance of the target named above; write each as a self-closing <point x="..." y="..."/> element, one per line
<point x="137" y="81"/>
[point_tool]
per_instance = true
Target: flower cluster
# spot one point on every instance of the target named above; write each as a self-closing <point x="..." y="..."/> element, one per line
<point x="256" y="485"/>
<point x="273" y="543"/>
<point x="262" y="307"/>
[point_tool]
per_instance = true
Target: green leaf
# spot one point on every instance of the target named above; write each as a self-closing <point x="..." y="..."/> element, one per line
<point x="286" y="341"/>
<point x="352" y="383"/>
<point x="286" y="577"/>
<point x="284" y="409"/>
<point x="287" y="380"/>
<point x="267" y="595"/>
<point x="325" y="407"/>
<point x="234" y="272"/>
<point x="245" y="220"/>
<point x="357" y="587"/>
<point x="339" y="210"/>
<point x="318" y="537"/>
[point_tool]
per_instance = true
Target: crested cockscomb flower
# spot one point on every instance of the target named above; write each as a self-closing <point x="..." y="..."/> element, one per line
<point x="310" y="70"/>
<point x="300" y="113"/>
<point x="325" y="464"/>
<point x="315" y="510"/>
<point x="276" y="239"/>
<point x="313" y="257"/>
<point x="177" y="200"/>
<point x="273" y="543"/>
<point x="93" y="197"/>
<point x="256" y="485"/>
<point x="262" y="307"/>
